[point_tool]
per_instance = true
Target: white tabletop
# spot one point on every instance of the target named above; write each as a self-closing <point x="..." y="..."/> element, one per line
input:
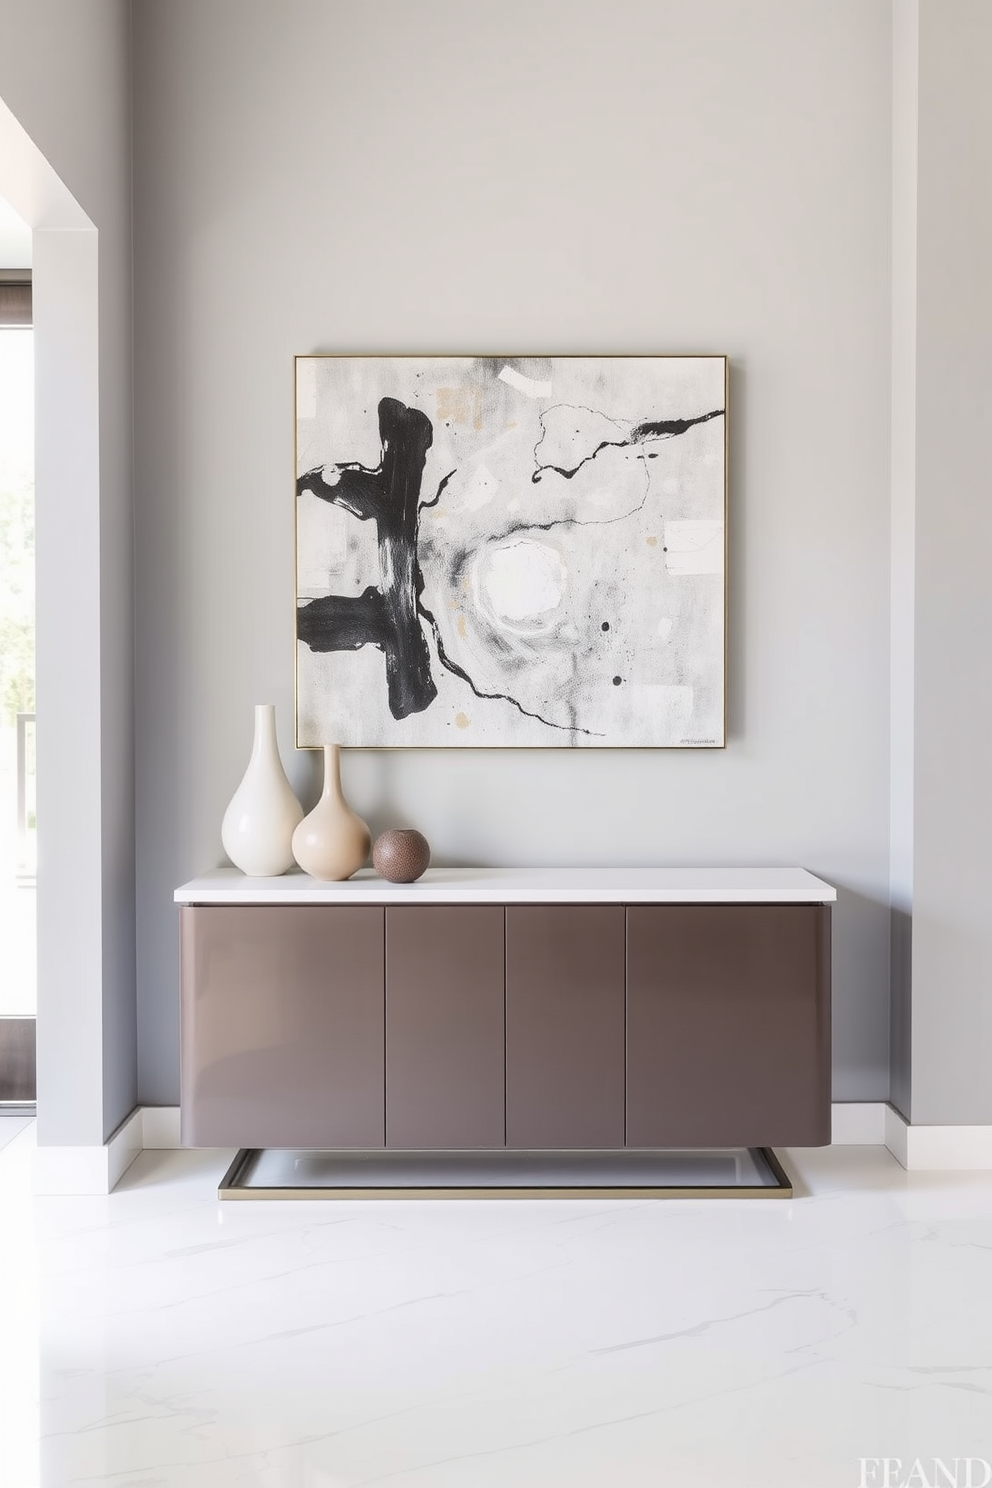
<point x="521" y="886"/>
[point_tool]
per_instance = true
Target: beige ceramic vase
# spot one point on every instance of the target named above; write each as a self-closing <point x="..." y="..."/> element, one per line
<point x="332" y="842"/>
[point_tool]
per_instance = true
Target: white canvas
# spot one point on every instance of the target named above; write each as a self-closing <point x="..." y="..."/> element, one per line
<point x="511" y="552"/>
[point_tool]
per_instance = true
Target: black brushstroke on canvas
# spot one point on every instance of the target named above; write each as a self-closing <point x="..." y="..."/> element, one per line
<point x="389" y="495"/>
<point x="660" y="429"/>
<point x="389" y="617"/>
<point x="440" y="490"/>
<point x="457" y="671"/>
<point x="670" y="428"/>
<point x="525" y="526"/>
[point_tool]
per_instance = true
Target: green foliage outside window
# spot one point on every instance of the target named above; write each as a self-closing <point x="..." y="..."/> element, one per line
<point x="16" y="598"/>
<point x="17" y="625"/>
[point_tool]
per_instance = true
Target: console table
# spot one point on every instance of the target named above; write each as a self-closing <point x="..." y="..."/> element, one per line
<point x="515" y="1009"/>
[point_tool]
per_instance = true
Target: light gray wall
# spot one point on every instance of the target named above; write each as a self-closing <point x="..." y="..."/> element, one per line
<point x="902" y="722"/>
<point x="571" y="175"/>
<point x="64" y="75"/>
<point x="952" y="939"/>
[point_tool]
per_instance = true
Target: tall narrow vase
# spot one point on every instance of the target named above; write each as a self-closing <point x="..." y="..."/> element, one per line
<point x="332" y="842"/>
<point x="257" y="831"/>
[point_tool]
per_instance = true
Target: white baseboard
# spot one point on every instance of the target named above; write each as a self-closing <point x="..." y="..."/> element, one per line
<point x="896" y="1130"/>
<point x="89" y="1170"/>
<point x="959" y="1149"/>
<point x="918" y="1148"/>
<point x="160" y="1126"/>
<point x="96" y="1170"/>
<point x="858" y="1124"/>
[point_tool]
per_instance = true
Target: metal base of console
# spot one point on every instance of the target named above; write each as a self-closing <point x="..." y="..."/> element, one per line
<point x="731" y="1173"/>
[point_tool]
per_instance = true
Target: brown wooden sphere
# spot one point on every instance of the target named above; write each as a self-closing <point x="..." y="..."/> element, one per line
<point x="401" y="854"/>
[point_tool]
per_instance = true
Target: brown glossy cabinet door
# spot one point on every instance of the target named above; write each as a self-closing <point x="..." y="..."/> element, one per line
<point x="283" y="1026"/>
<point x="444" y="1026"/>
<point x="728" y="1025"/>
<point x="564" y="1025"/>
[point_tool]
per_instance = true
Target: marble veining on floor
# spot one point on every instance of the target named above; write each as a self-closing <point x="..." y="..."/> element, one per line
<point x="161" y="1339"/>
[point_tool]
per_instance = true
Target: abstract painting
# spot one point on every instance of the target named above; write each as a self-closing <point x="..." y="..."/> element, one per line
<point x="496" y="551"/>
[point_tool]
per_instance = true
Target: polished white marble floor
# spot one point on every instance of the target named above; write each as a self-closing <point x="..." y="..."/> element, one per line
<point x="11" y="1127"/>
<point x="160" y="1339"/>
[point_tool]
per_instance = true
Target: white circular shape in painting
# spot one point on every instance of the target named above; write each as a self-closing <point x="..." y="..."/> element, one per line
<point x="521" y="584"/>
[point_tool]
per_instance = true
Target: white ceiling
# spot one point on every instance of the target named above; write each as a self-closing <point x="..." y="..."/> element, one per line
<point x="15" y="239"/>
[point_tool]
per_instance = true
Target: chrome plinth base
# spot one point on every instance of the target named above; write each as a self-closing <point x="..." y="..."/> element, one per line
<point x="729" y="1173"/>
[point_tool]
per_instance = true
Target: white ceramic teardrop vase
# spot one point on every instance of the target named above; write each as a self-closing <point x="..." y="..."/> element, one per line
<point x="332" y="842"/>
<point x="257" y="831"/>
